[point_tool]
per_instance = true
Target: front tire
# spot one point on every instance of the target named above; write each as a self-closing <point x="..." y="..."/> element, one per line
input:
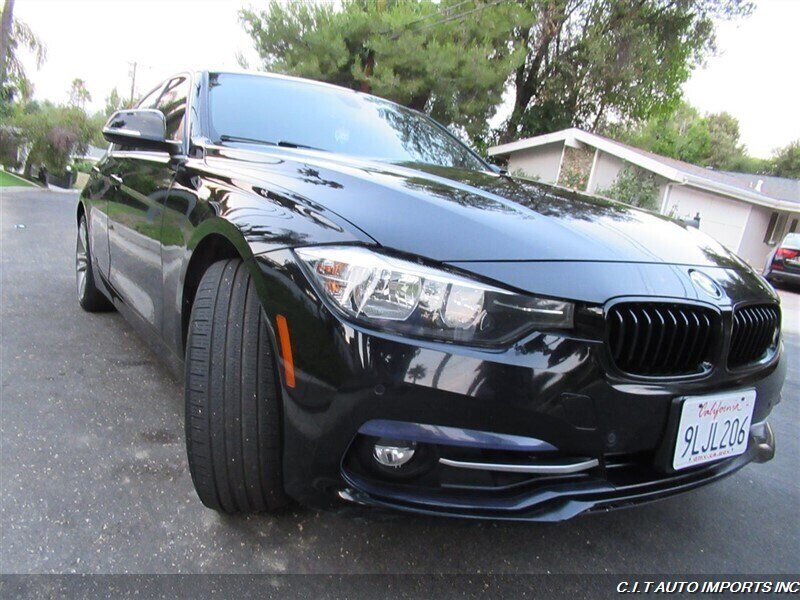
<point x="233" y="407"/>
<point x="90" y="297"/>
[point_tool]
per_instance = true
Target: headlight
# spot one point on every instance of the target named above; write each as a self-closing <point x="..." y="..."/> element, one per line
<point x="387" y="293"/>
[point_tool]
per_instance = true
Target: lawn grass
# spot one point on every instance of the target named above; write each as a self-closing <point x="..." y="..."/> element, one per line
<point x="10" y="180"/>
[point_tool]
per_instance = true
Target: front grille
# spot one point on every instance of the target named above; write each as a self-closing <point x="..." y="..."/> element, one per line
<point x="754" y="334"/>
<point x="660" y="339"/>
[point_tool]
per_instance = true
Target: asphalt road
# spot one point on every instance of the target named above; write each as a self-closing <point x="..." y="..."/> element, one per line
<point x="93" y="474"/>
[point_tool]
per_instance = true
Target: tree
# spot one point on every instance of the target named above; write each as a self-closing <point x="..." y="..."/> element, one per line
<point x="588" y="59"/>
<point x="78" y="94"/>
<point x="708" y="141"/>
<point x="566" y="62"/>
<point x="6" y="22"/>
<point x="51" y="133"/>
<point x="15" y="35"/>
<point x="634" y="186"/>
<point x="786" y="161"/>
<point x="114" y="103"/>
<point x="428" y="55"/>
<point x="723" y="132"/>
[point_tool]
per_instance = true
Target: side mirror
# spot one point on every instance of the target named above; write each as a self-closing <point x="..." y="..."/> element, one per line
<point x="143" y="128"/>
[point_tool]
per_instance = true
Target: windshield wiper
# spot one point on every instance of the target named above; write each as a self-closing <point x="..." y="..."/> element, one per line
<point x="237" y="138"/>
<point x="286" y="144"/>
<point x="282" y="143"/>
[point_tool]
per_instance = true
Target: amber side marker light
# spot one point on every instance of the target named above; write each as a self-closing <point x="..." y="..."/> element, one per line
<point x="286" y="350"/>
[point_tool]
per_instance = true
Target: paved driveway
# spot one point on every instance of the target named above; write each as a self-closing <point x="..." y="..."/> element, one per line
<point x="93" y="475"/>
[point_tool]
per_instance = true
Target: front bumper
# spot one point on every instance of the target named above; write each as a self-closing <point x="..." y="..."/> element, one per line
<point x="560" y="502"/>
<point x="551" y="387"/>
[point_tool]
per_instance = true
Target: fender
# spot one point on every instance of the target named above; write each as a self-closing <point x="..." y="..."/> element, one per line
<point x="237" y="214"/>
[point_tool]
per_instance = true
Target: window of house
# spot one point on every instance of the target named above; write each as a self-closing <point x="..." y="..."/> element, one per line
<point x="775" y="227"/>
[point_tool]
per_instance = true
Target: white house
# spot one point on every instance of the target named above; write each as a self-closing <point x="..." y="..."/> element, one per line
<point x="747" y="213"/>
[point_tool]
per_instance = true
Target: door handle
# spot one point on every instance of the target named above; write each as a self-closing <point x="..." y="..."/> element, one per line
<point x="116" y="179"/>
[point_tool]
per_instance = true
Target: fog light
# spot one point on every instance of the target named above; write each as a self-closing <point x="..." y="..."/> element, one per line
<point x="393" y="454"/>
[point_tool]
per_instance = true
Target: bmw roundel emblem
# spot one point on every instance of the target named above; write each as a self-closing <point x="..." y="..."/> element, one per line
<point x="705" y="284"/>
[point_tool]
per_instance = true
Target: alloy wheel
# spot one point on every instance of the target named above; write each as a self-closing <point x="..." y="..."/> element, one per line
<point x="82" y="258"/>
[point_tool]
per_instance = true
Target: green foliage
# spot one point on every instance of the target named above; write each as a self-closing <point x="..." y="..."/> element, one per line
<point x="11" y="180"/>
<point x="52" y="133"/>
<point x="786" y="161"/>
<point x="82" y="166"/>
<point x="520" y="174"/>
<point x="97" y="121"/>
<point x="114" y="102"/>
<point x="634" y="186"/>
<point x="8" y="146"/>
<point x="576" y="166"/>
<point x="454" y="70"/>
<point x="588" y="59"/>
<point x="749" y="164"/>
<point x="569" y="62"/>
<point x="78" y="94"/>
<point x="708" y="141"/>
<point x="14" y="82"/>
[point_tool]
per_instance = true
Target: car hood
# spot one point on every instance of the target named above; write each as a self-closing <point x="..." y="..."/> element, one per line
<point x="454" y="215"/>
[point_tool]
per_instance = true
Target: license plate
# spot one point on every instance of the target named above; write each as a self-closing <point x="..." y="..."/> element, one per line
<point x="713" y="427"/>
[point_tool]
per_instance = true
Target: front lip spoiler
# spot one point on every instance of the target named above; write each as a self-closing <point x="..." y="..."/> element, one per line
<point x="551" y="504"/>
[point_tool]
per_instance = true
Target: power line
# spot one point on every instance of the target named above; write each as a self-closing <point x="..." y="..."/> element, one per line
<point x="444" y="10"/>
<point x="132" y="73"/>
<point x="456" y="17"/>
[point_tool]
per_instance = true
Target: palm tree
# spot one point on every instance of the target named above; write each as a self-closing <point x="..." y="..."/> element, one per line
<point x="15" y="35"/>
<point x="417" y="372"/>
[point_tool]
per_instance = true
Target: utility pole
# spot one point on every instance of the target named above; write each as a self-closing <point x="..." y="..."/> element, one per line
<point x="132" y="73"/>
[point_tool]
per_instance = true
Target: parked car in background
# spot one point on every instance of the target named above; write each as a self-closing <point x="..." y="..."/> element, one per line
<point x="367" y="313"/>
<point x="783" y="264"/>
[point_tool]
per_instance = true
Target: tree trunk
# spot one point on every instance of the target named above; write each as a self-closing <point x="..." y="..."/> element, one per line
<point x="5" y="41"/>
<point x="527" y="77"/>
<point x="522" y="96"/>
<point x="28" y="170"/>
<point x="369" y="66"/>
<point x="420" y="101"/>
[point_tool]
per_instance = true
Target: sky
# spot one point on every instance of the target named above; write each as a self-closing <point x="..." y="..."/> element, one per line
<point x="753" y="76"/>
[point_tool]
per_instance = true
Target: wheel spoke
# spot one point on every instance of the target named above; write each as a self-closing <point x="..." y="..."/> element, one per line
<point x="81" y="258"/>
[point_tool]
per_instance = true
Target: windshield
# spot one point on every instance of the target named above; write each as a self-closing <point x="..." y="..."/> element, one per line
<point x="274" y="111"/>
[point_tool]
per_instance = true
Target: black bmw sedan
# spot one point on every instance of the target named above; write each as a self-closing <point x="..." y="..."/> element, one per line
<point x="367" y="313"/>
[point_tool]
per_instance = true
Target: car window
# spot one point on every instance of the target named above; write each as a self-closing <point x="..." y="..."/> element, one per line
<point x="173" y="103"/>
<point x="306" y="114"/>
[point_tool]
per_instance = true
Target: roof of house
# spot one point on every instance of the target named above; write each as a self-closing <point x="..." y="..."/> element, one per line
<point x="774" y="192"/>
<point x="776" y="187"/>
